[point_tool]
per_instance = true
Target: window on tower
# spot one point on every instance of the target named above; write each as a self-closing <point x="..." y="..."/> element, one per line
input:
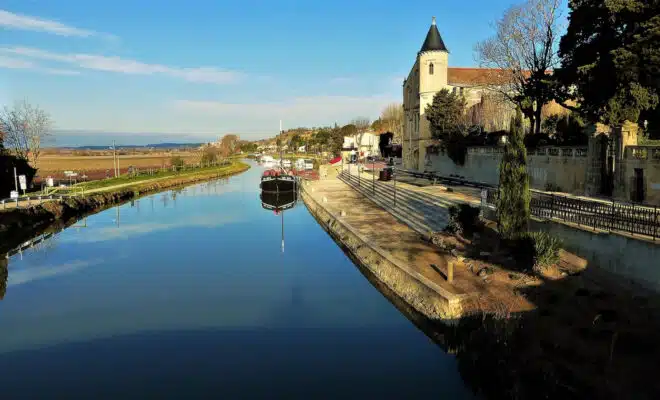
<point x="431" y="69"/>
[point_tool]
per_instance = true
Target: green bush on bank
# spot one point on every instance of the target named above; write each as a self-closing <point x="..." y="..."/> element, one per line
<point x="536" y="250"/>
<point x="463" y="219"/>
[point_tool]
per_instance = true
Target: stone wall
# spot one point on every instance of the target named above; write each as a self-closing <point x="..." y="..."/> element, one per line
<point x="646" y="160"/>
<point x="627" y="257"/>
<point x="562" y="168"/>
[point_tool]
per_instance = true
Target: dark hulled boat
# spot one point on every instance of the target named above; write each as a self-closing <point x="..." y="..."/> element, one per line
<point x="277" y="181"/>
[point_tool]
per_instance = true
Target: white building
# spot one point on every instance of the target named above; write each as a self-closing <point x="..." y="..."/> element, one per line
<point x="365" y="144"/>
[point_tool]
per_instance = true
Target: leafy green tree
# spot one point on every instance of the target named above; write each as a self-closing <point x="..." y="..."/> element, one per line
<point x="445" y="113"/>
<point x="610" y="59"/>
<point x="513" y="203"/>
<point x="448" y="122"/>
<point x="295" y="142"/>
<point x="321" y="139"/>
<point x="567" y="129"/>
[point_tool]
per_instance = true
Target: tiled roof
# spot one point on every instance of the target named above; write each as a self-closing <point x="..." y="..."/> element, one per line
<point x="477" y="76"/>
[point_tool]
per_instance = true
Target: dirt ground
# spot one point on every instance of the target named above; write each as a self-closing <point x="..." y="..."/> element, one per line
<point x="55" y="164"/>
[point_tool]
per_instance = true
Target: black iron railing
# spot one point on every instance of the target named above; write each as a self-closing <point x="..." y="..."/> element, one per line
<point x="603" y="215"/>
<point x="635" y="219"/>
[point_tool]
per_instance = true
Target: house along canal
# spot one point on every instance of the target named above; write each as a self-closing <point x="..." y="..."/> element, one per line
<point x="189" y="294"/>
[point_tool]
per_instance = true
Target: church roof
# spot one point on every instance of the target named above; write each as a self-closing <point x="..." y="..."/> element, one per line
<point x="433" y="40"/>
<point x="479" y="76"/>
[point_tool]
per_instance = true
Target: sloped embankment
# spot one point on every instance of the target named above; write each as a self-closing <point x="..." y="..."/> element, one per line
<point x="18" y="225"/>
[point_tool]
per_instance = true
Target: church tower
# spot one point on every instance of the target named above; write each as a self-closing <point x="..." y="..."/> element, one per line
<point x="433" y="61"/>
<point x="427" y="76"/>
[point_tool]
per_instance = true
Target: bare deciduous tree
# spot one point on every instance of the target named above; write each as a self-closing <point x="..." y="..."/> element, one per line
<point x="392" y="120"/>
<point x="26" y="128"/>
<point x="362" y="124"/>
<point x="493" y="113"/>
<point x="523" y="54"/>
<point x="228" y="145"/>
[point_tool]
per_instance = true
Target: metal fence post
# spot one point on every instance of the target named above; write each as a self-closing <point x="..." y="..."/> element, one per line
<point x="655" y="222"/>
<point x="612" y="217"/>
<point x="552" y="206"/>
<point x="394" y="177"/>
<point x="579" y="216"/>
<point x="632" y="225"/>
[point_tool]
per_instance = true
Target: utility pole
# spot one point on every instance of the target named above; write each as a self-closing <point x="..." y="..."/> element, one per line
<point x="117" y="157"/>
<point x="114" y="158"/>
<point x="15" y="180"/>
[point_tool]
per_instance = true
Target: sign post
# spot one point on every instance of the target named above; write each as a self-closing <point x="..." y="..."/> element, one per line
<point x="23" y="183"/>
<point x="484" y="201"/>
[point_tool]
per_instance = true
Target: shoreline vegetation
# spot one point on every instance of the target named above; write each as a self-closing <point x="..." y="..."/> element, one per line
<point x="18" y="225"/>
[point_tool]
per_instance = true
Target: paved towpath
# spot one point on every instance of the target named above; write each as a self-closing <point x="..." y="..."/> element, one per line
<point x="400" y="240"/>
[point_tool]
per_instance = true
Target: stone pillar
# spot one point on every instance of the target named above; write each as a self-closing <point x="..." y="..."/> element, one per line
<point x="596" y="159"/>
<point x="626" y="135"/>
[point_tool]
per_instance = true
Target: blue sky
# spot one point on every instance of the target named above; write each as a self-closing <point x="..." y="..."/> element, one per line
<point x="194" y="70"/>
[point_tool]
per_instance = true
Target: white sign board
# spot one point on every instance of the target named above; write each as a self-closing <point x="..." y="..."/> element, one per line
<point x="484" y="197"/>
<point x="13" y="194"/>
<point x="22" y="182"/>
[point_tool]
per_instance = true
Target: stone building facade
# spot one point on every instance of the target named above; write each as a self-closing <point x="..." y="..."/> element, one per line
<point x="429" y="74"/>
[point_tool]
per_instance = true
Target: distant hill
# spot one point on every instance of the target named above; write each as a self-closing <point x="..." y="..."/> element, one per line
<point x="147" y="146"/>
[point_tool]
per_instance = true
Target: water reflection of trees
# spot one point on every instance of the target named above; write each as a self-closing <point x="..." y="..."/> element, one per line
<point x="4" y="275"/>
<point x="563" y="349"/>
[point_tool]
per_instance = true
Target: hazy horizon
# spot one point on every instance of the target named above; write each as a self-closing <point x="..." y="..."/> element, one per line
<point x="78" y="138"/>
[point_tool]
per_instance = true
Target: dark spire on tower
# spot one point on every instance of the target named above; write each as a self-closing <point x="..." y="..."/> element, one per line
<point x="433" y="40"/>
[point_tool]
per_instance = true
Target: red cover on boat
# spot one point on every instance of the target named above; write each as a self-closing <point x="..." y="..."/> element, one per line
<point x="271" y="172"/>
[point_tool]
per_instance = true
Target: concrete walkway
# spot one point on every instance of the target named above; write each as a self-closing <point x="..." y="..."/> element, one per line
<point x="401" y="241"/>
<point x="424" y="210"/>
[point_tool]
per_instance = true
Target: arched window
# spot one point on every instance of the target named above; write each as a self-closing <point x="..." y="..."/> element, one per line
<point x="431" y="69"/>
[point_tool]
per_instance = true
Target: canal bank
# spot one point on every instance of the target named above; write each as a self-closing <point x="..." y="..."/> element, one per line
<point x="20" y="224"/>
<point x="514" y="335"/>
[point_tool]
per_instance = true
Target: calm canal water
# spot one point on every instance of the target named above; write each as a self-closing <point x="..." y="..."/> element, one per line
<point x="187" y="294"/>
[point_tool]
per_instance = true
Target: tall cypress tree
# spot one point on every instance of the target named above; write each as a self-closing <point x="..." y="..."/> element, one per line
<point x="513" y="203"/>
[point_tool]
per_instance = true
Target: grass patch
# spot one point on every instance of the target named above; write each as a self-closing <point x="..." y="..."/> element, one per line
<point x="137" y="179"/>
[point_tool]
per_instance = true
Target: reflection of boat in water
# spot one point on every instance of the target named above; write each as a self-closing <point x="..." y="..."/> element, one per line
<point x="278" y="201"/>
